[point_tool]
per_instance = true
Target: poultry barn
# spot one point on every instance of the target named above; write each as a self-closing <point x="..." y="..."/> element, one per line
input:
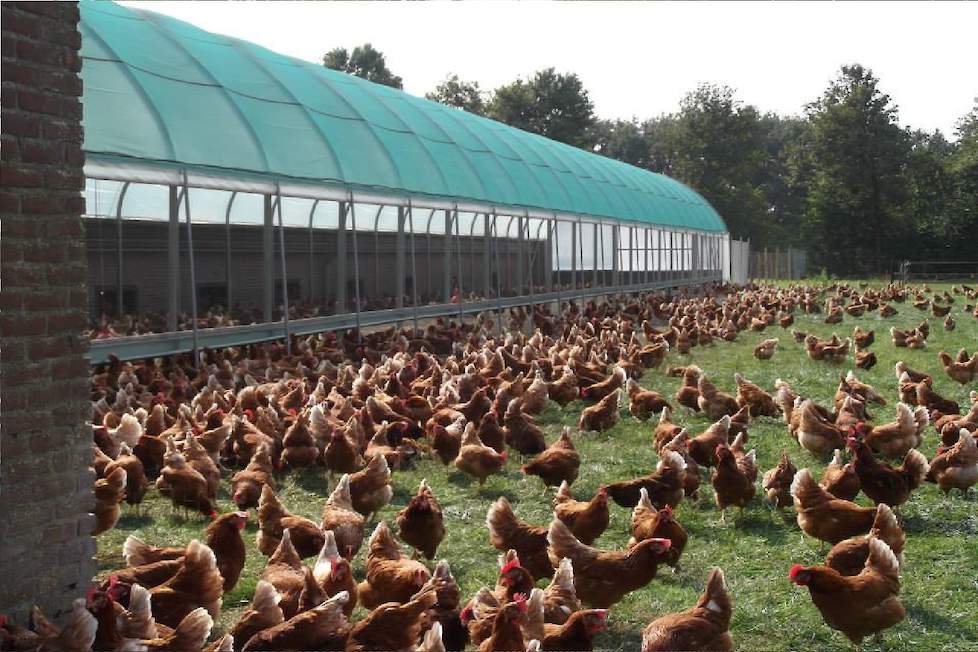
<point x="353" y="204"/>
<point x="367" y="372"/>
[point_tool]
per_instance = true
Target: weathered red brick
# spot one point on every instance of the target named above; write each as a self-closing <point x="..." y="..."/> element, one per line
<point x="46" y="203"/>
<point x="21" y="326"/>
<point x="37" y="102"/>
<point x="9" y="203"/>
<point x="18" y="123"/>
<point x="41" y="151"/>
<point x="19" y="176"/>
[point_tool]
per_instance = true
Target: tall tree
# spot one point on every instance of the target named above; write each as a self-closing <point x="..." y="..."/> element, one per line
<point x="623" y="140"/>
<point x="962" y="165"/>
<point x="552" y="104"/>
<point x="459" y="93"/>
<point x="365" y="61"/>
<point x="714" y="145"/>
<point x="858" y="193"/>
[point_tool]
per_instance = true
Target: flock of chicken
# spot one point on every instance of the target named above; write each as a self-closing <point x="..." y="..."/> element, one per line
<point x="458" y="394"/>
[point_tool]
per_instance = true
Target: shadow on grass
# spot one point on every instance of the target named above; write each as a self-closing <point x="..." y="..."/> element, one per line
<point x="312" y="479"/>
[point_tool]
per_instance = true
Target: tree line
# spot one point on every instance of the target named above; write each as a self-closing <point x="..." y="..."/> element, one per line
<point x="844" y="180"/>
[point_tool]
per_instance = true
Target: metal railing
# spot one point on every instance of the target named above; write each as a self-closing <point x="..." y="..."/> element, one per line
<point x="163" y="344"/>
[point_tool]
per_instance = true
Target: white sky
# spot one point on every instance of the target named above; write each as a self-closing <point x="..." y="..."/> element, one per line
<point x="639" y="59"/>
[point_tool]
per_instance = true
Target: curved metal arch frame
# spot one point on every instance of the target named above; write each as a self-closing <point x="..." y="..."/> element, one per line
<point x="703" y="249"/>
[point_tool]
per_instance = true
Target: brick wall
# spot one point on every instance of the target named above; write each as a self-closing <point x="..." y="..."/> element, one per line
<point x="45" y="446"/>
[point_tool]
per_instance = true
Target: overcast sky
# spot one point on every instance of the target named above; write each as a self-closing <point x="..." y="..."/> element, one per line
<point x="639" y="59"/>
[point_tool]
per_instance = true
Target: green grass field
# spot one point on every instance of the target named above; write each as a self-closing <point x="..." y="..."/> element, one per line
<point x="940" y="574"/>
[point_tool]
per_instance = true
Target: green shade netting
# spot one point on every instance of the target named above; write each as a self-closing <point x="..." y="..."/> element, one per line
<point x="159" y="90"/>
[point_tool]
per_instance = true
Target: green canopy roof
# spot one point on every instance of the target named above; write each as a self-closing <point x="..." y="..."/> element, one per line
<point x="163" y="92"/>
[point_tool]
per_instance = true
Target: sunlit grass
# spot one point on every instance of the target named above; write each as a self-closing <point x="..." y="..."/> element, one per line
<point x="940" y="575"/>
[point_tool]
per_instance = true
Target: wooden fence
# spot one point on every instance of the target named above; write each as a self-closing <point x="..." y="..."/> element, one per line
<point x="769" y="264"/>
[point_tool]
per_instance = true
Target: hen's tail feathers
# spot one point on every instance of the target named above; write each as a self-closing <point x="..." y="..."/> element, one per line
<point x="564" y="575"/>
<point x="886" y="528"/>
<point x="804" y="489"/>
<point x="137" y="621"/>
<point x="265" y="602"/>
<point x="882" y="560"/>
<point x="916" y="466"/>
<point x="432" y="639"/>
<point x="534" y="615"/>
<point x="193" y="630"/>
<point x="136" y="551"/>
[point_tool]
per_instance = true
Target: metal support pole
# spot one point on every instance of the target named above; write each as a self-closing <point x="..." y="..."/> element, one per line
<point x="268" y="260"/>
<point x="285" y="277"/>
<point x="458" y="258"/>
<point x="486" y="258"/>
<point x="525" y="239"/>
<point x="548" y="265"/>
<point x="595" y="261"/>
<point x="647" y="233"/>
<point x="556" y="239"/>
<point x="193" y="269"/>
<point x="356" y="268"/>
<point x="173" y="262"/>
<point x="400" y="259"/>
<point x="575" y="248"/>
<point x="414" y="270"/>
<point x="520" y="248"/>
<point x="378" y="293"/>
<point x="604" y="275"/>
<point x="341" y="304"/>
<point x="120" y="308"/>
<point x="312" y="249"/>
<point x="227" y="253"/>
<point x="447" y="259"/>
<point x="615" y="256"/>
<point x="499" y="293"/>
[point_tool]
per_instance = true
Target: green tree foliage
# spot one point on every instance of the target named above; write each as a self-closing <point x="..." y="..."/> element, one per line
<point x="551" y="104"/>
<point x="962" y="166"/>
<point x="717" y="148"/>
<point x="460" y="94"/>
<point x="858" y="193"/>
<point x="365" y="61"/>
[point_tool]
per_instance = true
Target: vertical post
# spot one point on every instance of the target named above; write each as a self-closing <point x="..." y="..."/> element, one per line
<point x="645" y="238"/>
<point x="458" y="258"/>
<point x="447" y="259"/>
<point x="118" y="250"/>
<point x="227" y="253"/>
<point x="520" y="249"/>
<point x="548" y="276"/>
<point x="400" y="260"/>
<point x="285" y="277"/>
<point x="414" y="269"/>
<point x="312" y="248"/>
<point x="268" y="260"/>
<point x="575" y="227"/>
<point x="341" y="304"/>
<point x="556" y="241"/>
<point x="173" y="262"/>
<point x="486" y="256"/>
<point x="616" y="265"/>
<point x="595" y="261"/>
<point x="356" y="268"/>
<point x="499" y="292"/>
<point x="193" y="269"/>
